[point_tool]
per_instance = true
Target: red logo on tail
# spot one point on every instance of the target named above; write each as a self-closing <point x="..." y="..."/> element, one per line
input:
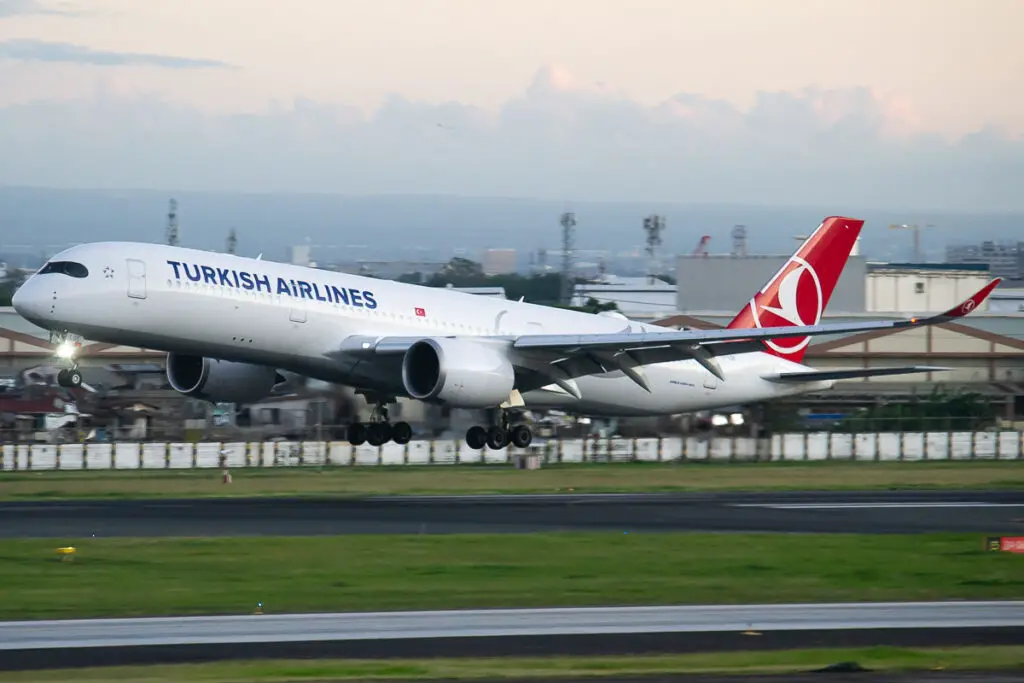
<point x="797" y="302"/>
<point x="797" y="294"/>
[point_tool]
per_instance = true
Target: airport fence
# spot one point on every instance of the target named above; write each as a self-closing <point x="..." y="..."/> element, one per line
<point x="791" y="447"/>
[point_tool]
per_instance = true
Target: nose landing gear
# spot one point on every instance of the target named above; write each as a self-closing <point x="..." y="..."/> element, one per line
<point x="66" y="350"/>
<point x="70" y="377"/>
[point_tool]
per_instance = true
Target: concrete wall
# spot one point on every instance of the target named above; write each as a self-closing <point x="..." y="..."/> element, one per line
<point x="912" y="291"/>
<point x="726" y="283"/>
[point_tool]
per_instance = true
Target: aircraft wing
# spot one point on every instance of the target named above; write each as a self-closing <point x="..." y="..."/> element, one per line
<point x="558" y="358"/>
<point x="854" y="373"/>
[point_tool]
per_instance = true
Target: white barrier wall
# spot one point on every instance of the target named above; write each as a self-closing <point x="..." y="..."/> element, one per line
<point x="894" y="446"/>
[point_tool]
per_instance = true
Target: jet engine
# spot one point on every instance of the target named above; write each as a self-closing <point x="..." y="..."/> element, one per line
<point x="220" y="381"/>
<point x="461" y="373"/>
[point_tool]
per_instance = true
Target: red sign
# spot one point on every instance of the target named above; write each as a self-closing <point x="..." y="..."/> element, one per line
<point x="421" y="313"/>
<point x="1006" y="544"/>
<point x="1012" y="544"/>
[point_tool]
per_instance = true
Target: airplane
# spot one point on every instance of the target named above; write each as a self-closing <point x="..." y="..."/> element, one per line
<point x="234" y="328"/>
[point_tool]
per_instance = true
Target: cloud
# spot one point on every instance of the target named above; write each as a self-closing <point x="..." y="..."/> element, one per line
<point x="41" y="51"/>
<point x="560" y="140"/>
<point x="18" y="8"/>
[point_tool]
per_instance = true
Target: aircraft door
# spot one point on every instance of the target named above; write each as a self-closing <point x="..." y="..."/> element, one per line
<point x="136" y="279"/>
<point x="710" y="381"/>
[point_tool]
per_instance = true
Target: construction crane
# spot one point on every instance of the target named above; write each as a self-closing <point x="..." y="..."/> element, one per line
<point x="917" y="236"/>
<point x="702" y="247"/>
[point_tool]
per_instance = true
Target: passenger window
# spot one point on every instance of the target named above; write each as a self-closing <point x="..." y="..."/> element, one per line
<point x="70" y="268"/>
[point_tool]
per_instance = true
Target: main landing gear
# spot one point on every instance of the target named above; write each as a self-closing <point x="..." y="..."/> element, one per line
<point x="499" y="435"/>
<point x="379" y="430"/>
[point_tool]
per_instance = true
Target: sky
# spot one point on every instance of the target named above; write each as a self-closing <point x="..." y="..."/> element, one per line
<point x="888" y="102"/>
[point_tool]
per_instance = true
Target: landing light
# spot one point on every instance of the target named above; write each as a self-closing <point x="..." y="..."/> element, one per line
<point x="736" y="418"/>
<point x="66" y="350"/>
<point x="719" y="420"/>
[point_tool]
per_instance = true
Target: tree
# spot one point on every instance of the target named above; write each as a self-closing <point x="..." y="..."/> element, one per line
<point x="939" y="411"/>
<point x="7" y="289"/>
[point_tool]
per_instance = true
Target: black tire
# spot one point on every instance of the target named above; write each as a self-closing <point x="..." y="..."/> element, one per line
<point x="357" y="434"/>
<point x="378" y="433"/>
<point x="521" y="436"/>
<point x="74" y="378"/>
<point x="401" y="433"/>
<point x="476" y="437"/>
<point x="62" y="378"/>
<point x="497" y="438"/>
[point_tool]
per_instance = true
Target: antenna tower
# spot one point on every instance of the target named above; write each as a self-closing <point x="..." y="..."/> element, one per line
<point x="172" y="223"/>
<point x="654" y="225"/>
<point x="739" y="240"/>
<point x="232" y="241"/>
<point x="568" y="222"/>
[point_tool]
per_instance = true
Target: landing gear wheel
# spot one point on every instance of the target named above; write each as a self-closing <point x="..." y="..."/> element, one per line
<point x="378" y="433"/>
<point x="357" y="434"/>
<point x="401" y="433"/>
<point x="520" y="436"/>
<point x="69" y="378"/>
<point x="476" y="437"/>
<point x="497" y="438"/>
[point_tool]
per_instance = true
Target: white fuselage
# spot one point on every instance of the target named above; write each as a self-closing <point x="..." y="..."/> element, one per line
<point x="132" y="296"/>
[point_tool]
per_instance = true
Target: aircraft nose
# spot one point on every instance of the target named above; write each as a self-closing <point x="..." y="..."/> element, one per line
<point x="28" y="302"/>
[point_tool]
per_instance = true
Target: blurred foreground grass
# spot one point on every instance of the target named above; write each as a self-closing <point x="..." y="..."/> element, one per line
<point x="477" y="479"/>
<point x="142" y="577"/>
<point x="551" y="668"/>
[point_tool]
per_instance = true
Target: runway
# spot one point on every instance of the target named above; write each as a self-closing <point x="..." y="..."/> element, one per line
<point x="504" y="623"/>
<point x="621" y="630"/>
<point x="989" y="512"/>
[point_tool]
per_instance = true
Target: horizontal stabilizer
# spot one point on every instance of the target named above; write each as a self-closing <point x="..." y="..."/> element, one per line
<point x="820" y="375"/>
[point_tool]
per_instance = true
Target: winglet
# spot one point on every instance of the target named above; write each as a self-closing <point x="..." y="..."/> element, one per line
<point x="964" y="308"/>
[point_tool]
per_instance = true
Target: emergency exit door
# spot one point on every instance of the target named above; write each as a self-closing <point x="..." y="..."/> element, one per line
<point x="136" y="279"/>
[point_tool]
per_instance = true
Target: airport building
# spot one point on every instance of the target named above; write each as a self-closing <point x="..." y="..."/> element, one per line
<point x="1004" y="259"/>
<point x="723" y="282"/>
<point x="499" y="262"/>
<point x="635" y="297"/>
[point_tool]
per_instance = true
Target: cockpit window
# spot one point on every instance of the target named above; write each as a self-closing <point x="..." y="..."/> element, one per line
<point x="71" y="268"/>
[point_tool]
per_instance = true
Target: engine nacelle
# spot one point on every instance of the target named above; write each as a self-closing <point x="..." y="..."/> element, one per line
<point x="220" y="381"/>
<point x="461" y="373"/>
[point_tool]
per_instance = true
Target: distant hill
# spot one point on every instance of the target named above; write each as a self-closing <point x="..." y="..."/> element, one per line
<point x="411" y="227"/>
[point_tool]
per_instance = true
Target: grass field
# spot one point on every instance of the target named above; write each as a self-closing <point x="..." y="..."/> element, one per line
<point x="132" y="577"/>
<point x="535" y="668"/>
<point x="582" y="478"/>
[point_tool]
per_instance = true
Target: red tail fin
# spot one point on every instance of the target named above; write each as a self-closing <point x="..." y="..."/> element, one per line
<point x="796" y="296"/>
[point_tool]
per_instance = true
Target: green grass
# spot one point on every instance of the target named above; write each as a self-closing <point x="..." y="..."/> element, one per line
<point x="581" y="478"/>
<point x="534" y="668"/>
<point x="138" y="577"/>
